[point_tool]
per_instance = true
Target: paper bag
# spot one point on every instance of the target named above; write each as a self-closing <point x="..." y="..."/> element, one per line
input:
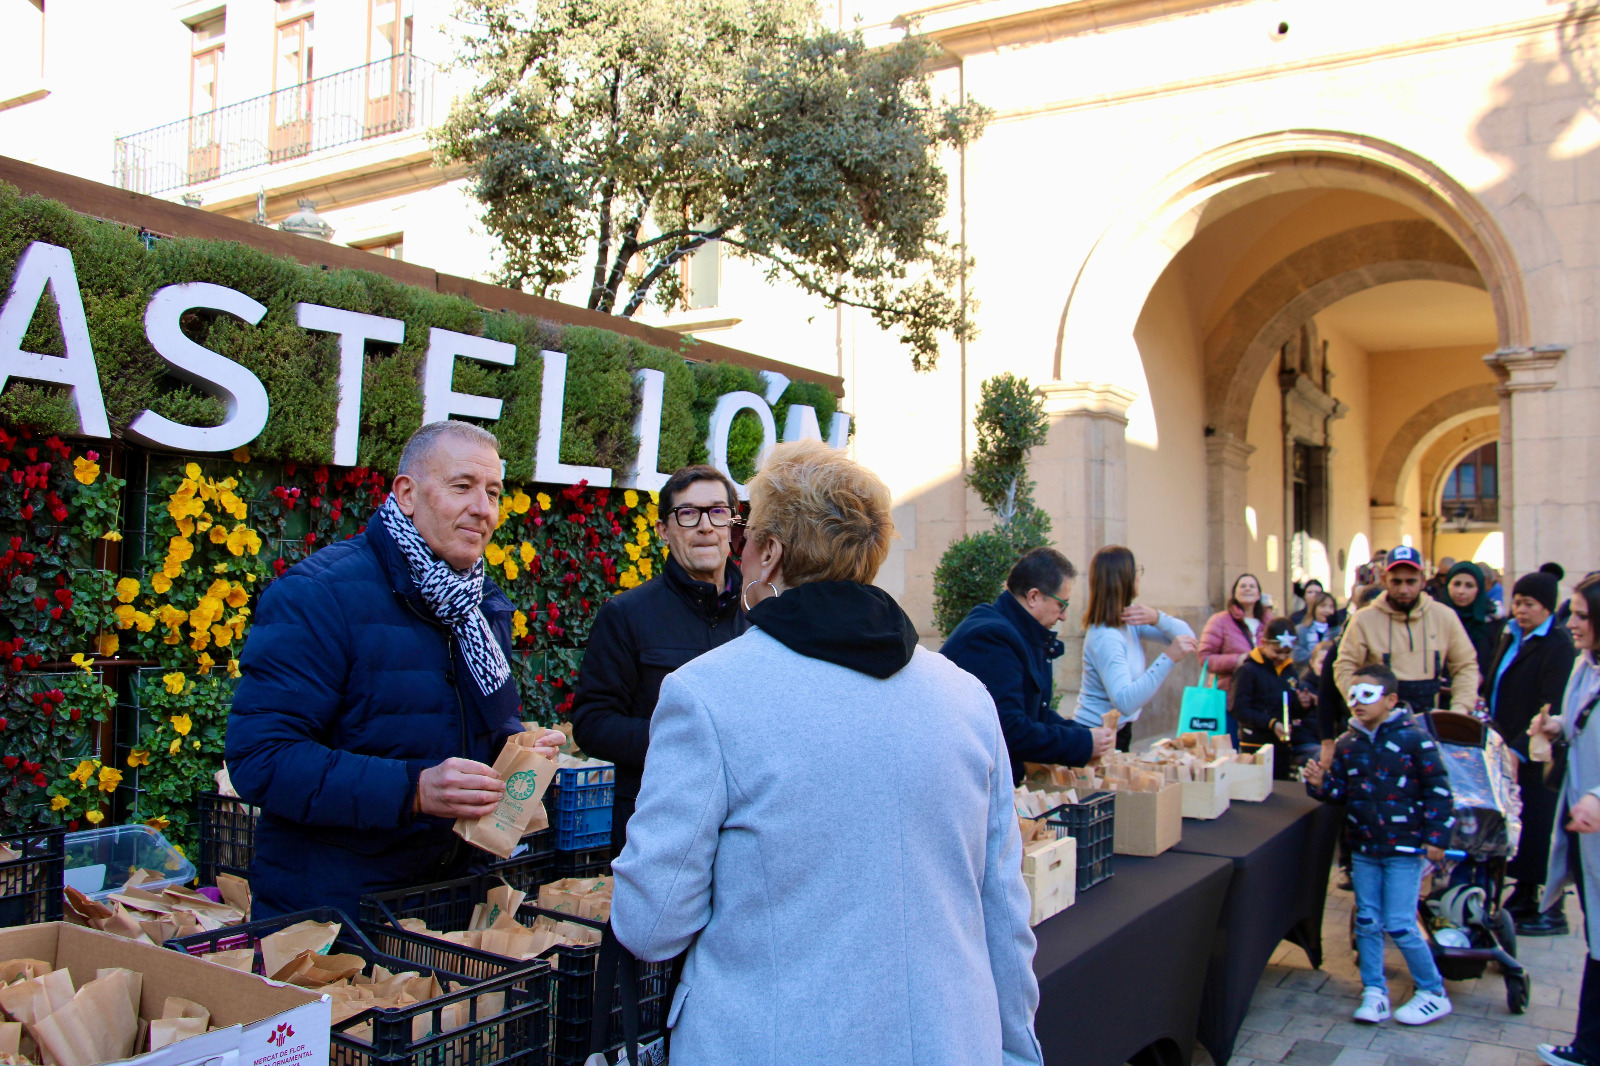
<point x="235" y="893"/>
<point x="279" y="949"/>
<point x="527" y="775"/>
<point x="164" y="1031"/>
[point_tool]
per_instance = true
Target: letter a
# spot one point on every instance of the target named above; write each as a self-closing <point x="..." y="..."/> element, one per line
<point x="40" y="265"/>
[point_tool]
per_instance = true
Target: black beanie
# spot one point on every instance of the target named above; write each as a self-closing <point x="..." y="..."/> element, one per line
<point x="1539" y="586"/>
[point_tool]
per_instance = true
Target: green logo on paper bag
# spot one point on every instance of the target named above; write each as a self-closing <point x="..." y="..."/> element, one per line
<point x="521" y="786"/>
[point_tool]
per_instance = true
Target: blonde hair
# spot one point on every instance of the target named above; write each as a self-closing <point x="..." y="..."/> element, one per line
<point x="830" y="514"/>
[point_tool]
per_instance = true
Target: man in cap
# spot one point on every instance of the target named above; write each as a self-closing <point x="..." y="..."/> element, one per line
<point x="1414" y="635"/>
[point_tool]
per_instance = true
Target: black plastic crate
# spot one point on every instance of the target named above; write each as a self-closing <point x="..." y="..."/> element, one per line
<point x="573" y="1004"/>
<point x="31" y="884"/>
<point x="227" y="836"/>
<point x="228" y="844"/>
<point x="592" y="862"/>
<point x="518" y="1036"/>
<point x="1091" y="824"/>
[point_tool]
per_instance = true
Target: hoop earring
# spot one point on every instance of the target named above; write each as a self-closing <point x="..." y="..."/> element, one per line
<point x="744" y="594"/>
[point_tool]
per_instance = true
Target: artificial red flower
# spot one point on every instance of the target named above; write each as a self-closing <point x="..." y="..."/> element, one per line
<point x="10" y="762"/>
<point x="40" y="603"/>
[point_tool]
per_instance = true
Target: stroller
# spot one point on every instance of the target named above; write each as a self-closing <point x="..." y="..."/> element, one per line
<point x="1464" y="922"/>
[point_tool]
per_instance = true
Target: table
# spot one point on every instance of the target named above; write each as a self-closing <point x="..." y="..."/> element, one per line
<point x="1281" y="850"/>
<point x="1121" y="972"/>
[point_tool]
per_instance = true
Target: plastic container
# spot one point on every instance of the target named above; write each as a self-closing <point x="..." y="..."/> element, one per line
<point x="580" y="809"/>
<point x="100" y="861"/>
<point x="30" y="884"/>
<point x="1092" y="824"/>
<point x="518" y="1036"/>
<point x="445" y="907"/>
<point x="573" y="978"/>
<point x="592" y="862"/>
<point x="228" y="844"/>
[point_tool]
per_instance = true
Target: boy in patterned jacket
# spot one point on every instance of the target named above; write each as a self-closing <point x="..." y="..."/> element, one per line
<point x="1388" y="773"/>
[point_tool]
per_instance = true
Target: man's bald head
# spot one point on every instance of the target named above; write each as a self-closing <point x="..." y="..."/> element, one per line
<point x="423" y="441"/>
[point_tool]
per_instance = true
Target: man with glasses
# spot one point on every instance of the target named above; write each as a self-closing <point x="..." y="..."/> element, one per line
<point x="1009" y="645"/>
<point x="642" y="635"/>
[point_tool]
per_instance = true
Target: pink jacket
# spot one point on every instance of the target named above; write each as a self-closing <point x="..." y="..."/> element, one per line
<point x="1225" y="641"/>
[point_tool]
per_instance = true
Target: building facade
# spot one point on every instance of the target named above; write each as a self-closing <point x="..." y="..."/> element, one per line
<point x="1297" y="279"/>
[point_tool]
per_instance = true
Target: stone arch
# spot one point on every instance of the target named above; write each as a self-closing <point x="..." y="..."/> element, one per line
<point x="1417" y="434"/>
<point x="1434" y="490"/>
<point x="1245" y="341"/>
<point x="1095" y="337"/>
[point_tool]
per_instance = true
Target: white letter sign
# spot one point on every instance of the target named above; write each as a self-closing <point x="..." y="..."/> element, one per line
<point x="647" y="427"/>
<point x="354" y="330"/>
<point x="43" y="264"/>
<point x="439" y="402"/>
<point x="240" y="390"/>
<point x="729" y="405"/>
<point x="547" y="464"/>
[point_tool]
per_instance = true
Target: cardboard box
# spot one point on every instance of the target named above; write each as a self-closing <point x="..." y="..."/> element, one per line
<point x="1148" y="823"/>
<point x="1051" y="874"/>
<point x="263" y="1023"/>
<point x="1209" y="799"/>
<point x="1252" y="782"/>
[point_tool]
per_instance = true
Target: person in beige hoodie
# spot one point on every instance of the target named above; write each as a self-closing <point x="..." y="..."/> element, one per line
<point x="1416" y="636"/>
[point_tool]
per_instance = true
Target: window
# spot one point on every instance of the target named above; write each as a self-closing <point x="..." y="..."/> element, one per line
<point x="291" y="82"/>
<point x="702" y="276"/>
<point x="1472" y="489"/>
<point x="205" y="96"/>
<point x="388" y="247"/>
<point x="388" y="68"/>
<point x="22" y="28"/>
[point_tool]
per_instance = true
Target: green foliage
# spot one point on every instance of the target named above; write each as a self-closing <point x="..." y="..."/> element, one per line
<point x="640" y="130"/>
<point x="973" y="570"/>
<point x="299" y="368"/>
<point x="1010" y="421"/>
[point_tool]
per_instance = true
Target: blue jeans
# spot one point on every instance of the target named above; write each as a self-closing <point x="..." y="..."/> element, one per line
<point x="1386" y="901"/>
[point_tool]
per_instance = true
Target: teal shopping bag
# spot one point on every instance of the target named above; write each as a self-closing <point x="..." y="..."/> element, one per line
<point x="1205" y="707"/>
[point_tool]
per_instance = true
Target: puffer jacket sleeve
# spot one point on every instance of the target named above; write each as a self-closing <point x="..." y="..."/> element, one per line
<point x="663" y="876"/>
<point x="1213" y="638"/>
<point x="1006" y="909"/>
<point x="1252" y="701"/>
<point x="1438" y="804"/>
<point x="1332" y="789"/>
<point x="296" y="666"/>
<point x="988" y="656"/>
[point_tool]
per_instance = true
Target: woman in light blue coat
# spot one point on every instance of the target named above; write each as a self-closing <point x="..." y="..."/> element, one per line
<point x="826" y="822"/>
<point x="1114" y="673"/>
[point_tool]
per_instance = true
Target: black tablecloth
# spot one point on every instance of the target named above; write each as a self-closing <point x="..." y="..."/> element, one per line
<point x="1281" y="850"/>
<point x="1136" y="946"/>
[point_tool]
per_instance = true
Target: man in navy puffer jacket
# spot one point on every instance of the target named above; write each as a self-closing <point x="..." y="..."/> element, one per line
<point x="376" y="691"/>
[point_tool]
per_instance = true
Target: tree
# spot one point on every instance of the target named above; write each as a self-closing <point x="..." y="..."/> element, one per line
<point x="1011" y="422"/>
<point x="638" y="131"/>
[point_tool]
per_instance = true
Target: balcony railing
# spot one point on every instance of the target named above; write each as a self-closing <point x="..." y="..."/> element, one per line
<point x="387" y="96"/>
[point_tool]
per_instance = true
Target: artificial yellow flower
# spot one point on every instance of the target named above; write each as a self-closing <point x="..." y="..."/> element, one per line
<point x="243" y="537"/>
<point x="83" y="662"/>
<point x="114" y="535"/>
<point x="159" y="823"/>
<point x="200" y="642"/>
<point x="519" y="624"/>
<point x="630" y="498"/>
<point x="82" y="774"/>
<point x="223" y="635"/>
<point x="138" y="757"/>
<point x="85" y="471"/>
<point x="233" y="668"/>
<point x="161" y="583"/>
<point x="57" y="802"/>
<point x="528" y="553"/>
<point x="652" y="514"/>
<point x="504" y="512"/>
<point x="237" y="596"/>
<point x="110" y="778"/>
<point x="206" y="663"/>
<point x="124" y="615"/>
<point x="181" y="724"/>
<point x="172" y="637"/>
<point x="143" y="622"/>
<point x="655" y="497"/>
<point x="544" y="502"/>
<point x="220" y="568"/>
<point x="95" y="817"/>
<point x="110" y="643"/>
<point x="633" y="551"/>
<point x="218" y="535"/>
<point x="520" y="502"/>
<point x="173" y="682"/>
<point x="170" y="570"/>
<point x="643" y="539"/>
<point x="645" y="568"/>
<point x="495" y="554"/>
<point x="170" y="616"/>
<point x="127" y="589"/>
<point x="192" y="471"/>
<point x="640" y="523"/>
<point x="172" y="749"/>
<point x="511" y="569"/>
<point x="179" y="550"/>
<point x="629" y="578"/>
<point x="240" y="455"/>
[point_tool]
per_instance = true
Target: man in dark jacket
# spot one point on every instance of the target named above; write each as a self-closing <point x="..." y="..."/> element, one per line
<point x="1009" y="645"/>
<point x="376" y="691"/>
<point x="641" y="636"/>
<point x="1530" y="671"/>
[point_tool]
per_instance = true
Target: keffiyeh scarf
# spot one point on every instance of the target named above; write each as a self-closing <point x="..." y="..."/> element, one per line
<point x="454" y="598"/>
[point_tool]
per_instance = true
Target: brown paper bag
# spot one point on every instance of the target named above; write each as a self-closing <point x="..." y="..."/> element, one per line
<point x="527" y="775"/>
<point x="135" y="981"/>
<point x="281" y="947"/>
<point x="110" y="1004"/>
<point x="82" y="910"/>
<point x="29" y="968"/>
<point x="10" y="1038"/>
<point x="235" y="893"/>
<point x="164" y="1031"/>
<point x="241" y="959"/>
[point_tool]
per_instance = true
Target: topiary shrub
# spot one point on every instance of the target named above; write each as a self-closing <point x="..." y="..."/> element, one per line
<point x="971" y="571"/>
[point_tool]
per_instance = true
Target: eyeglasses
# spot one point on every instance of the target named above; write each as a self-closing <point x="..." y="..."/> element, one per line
<point x="1064" y="603"/>
<point x="688" y="515"/>
<point x="1139" y="570"/>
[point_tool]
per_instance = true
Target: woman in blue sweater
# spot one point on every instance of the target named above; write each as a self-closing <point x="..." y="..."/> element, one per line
<point x="1114" y="673"/>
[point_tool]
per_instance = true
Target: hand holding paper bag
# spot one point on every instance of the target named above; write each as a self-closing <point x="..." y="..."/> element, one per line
<point x="526" y="774"/>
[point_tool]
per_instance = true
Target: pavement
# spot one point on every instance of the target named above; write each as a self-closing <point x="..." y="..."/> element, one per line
<point x="1302" y="1017"/>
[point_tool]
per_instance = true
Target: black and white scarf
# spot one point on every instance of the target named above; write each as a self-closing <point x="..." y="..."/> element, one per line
<point x="455" y="599"/>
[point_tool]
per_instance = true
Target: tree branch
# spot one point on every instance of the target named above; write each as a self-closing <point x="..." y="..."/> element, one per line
<point x="637" y="297"/>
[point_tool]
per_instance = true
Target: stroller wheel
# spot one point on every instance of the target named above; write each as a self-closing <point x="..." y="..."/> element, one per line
<point x="1519" y="987"/>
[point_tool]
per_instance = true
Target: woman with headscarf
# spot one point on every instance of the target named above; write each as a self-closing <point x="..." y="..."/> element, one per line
<point x="1468" y="593"/>
<point x="821" y="752"/>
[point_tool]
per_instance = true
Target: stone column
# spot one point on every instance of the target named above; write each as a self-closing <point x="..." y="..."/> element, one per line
<point x="1388" y="524"/>
<point x="1082" y="476"/>
<point x="1534" y="483"/>
<point x="1227" y="536"/>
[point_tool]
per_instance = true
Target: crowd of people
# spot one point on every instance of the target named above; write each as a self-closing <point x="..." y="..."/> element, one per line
<point x="779" y="733"/>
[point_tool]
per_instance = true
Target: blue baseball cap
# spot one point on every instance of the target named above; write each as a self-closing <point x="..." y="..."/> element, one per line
<point x="1403" y="556"/>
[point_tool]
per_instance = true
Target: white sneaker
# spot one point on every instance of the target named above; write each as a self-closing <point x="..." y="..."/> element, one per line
<point x="1374" y="1006"/>
<point x="1423" y="1008"/>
